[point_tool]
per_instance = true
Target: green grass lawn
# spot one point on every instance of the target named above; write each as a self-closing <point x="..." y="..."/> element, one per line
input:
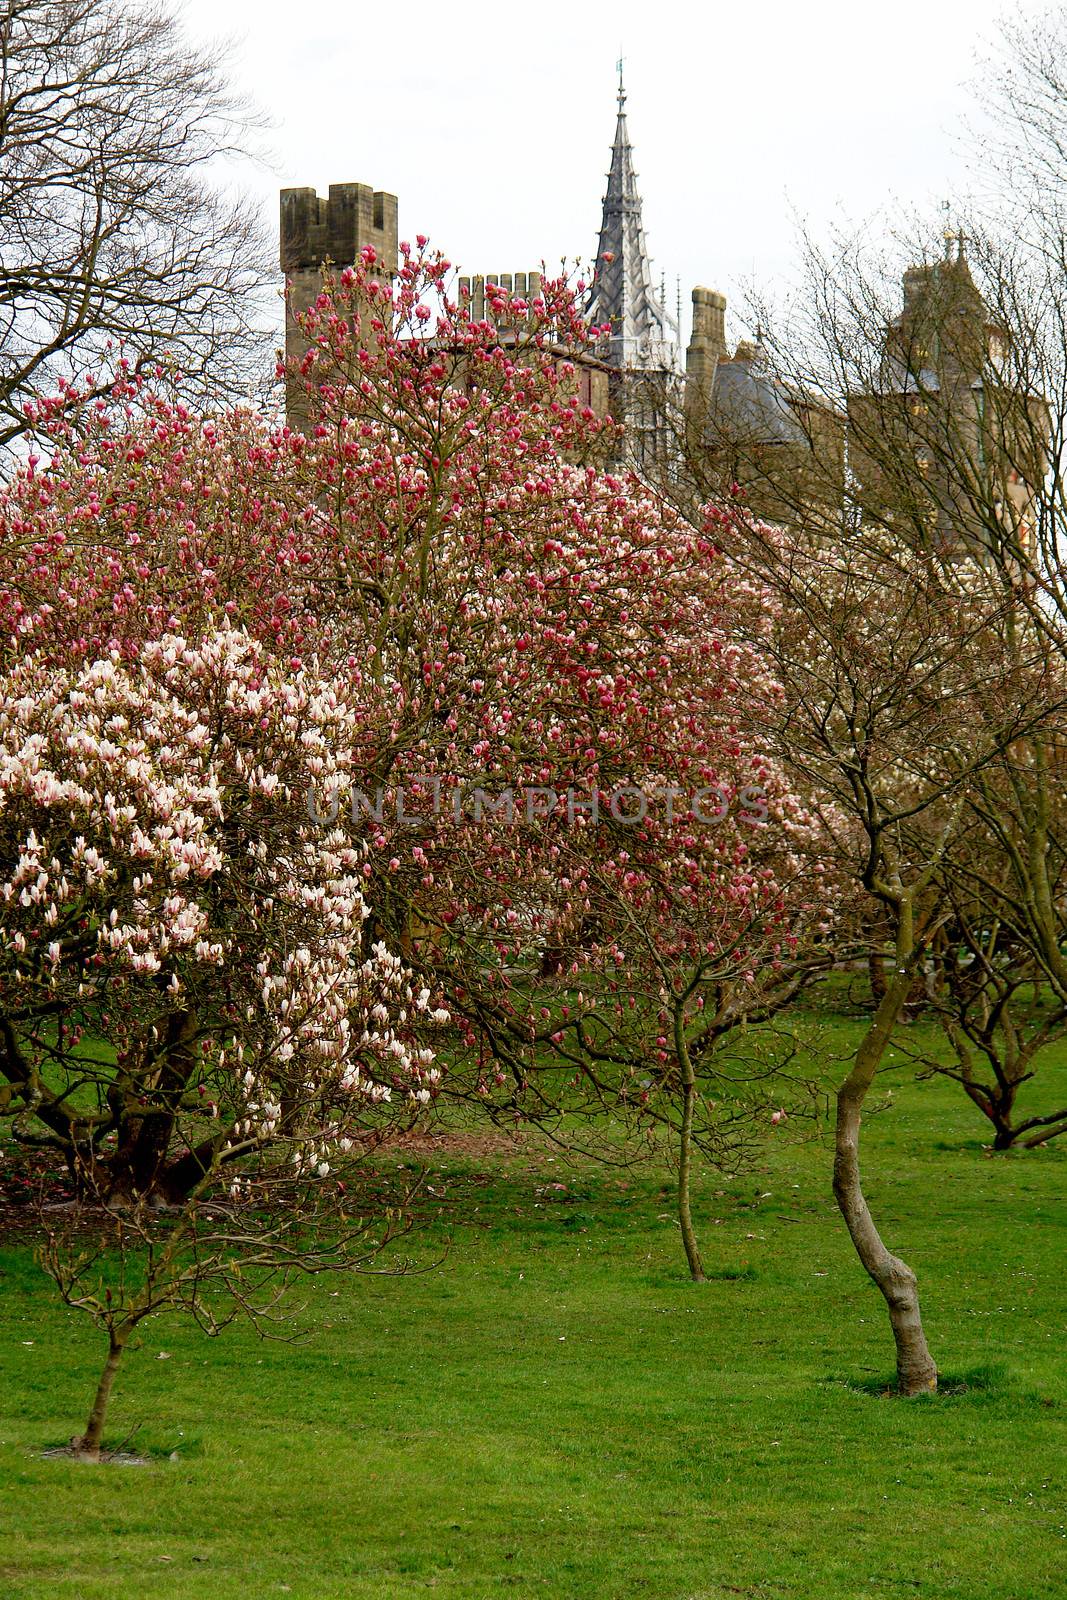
<point x="556" y="1410"/>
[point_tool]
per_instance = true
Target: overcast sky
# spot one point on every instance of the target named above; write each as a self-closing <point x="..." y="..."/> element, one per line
<point x="493" y="123"/>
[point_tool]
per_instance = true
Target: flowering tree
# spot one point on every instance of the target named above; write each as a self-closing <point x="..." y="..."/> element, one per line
<point x="560" y="644"/>
<point x="145" y="518"/>
<point x="187" y="1001"/>
<point x="495" y="633"/>
<point x="705" y="922"/>
<point x="668" y="895"/>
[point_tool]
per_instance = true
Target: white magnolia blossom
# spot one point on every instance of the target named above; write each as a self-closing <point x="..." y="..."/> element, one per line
<point x="163" y="856"/>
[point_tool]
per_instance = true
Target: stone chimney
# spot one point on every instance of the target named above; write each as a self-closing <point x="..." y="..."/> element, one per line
<point x="707" y="347"/>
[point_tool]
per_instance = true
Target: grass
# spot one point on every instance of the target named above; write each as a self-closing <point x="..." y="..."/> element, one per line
<point x="557" y="1411"/>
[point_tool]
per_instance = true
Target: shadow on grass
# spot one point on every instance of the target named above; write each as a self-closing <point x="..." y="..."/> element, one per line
<point x="135" y="1449"/>
<point x="982" y="1385"/>
<point x="959" y="1147"/>
<point x="679" y="1278"/>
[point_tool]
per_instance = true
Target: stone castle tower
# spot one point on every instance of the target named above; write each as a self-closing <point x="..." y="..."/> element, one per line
<point x="313" y="232"/>
<point x="979" y="444"/>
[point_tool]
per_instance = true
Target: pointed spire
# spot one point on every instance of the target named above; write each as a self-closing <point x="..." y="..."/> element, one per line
<point x="644" y="336"/>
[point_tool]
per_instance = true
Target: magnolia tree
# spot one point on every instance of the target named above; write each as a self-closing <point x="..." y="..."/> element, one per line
<point x="557" y="645"/>
<point x="502" y="632"/>
<point x="145" y="518"/>
<point x="682" y="901"/>
<point x="191" y="1012"/>
<point x="698" y="915"/>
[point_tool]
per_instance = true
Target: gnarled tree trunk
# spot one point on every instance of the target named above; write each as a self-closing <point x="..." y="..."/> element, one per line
<point x="916" y="1371"/>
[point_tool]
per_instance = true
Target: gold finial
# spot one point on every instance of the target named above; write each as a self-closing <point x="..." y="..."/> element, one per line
<point x="950" y="236"/>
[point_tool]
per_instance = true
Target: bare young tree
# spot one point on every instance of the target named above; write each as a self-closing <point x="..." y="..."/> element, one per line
<point x="114" y="242"/>
<point x="1023" y="91"/>
<point x="953" y="405"/>
<point x="212" y="1260"/>
<point x="893" y="702"/>
<point x="996" y="979"/>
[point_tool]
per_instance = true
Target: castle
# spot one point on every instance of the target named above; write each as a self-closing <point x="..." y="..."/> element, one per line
<point x="793" y="454"/>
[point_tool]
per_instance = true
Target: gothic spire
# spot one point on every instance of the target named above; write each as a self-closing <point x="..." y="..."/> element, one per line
<point x="644" y="336"/>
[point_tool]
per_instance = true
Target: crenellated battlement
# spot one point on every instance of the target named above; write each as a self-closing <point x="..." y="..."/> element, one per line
<point x="315" y="231"/>
<point x="337" y="228"/>
<point x="472" y="292"/>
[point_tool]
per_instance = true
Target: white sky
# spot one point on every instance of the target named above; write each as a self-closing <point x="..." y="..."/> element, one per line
<point x="493" y="123"/>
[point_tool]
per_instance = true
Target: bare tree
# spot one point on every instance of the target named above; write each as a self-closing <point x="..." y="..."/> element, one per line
<point x="211" y="1260"/>
<point x="1023" y="91"/>
<point x="921" y="586"/>
<point x="114" y="243"/>
<point x="897" y="705"/>
<point x="997" y="978"/>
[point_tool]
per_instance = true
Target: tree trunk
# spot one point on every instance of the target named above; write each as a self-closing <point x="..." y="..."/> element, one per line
<point x="685" y="1151"/>
<point x="916" y="1371"/>
<point x="89" y="1444"/>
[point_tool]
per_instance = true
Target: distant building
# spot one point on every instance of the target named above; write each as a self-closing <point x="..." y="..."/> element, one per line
<point x="946" y="442"/>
